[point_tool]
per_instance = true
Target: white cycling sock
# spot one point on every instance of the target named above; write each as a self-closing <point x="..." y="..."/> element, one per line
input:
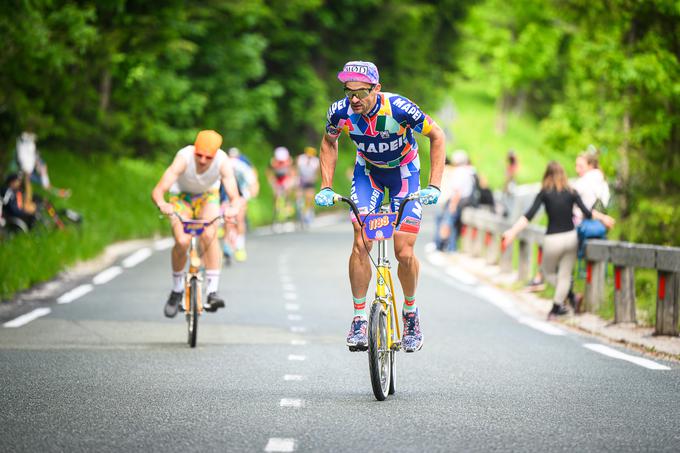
<point x="178" y="282"/>
<point x="212" y="277"/>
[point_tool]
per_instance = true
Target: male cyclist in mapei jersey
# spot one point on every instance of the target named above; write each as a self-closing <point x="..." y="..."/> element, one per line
<point x="381" y="126"/>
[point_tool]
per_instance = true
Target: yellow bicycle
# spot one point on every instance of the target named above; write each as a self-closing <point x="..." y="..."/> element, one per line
<point x="384" y="334"/>
<point x="193" y="305"/>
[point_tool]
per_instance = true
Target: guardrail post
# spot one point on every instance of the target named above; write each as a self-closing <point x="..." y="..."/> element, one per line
<point x="624" y="294"/>
<point x="505" y="261"/>
<point x="492" y="246"/>
<point x="478" y="242"/>
<point x="597" y="254"/>
<point x="668" y="291"/>
<point x="626" y="257"/>
<point x="524" y="267"/>
<point x="596" y="272"/>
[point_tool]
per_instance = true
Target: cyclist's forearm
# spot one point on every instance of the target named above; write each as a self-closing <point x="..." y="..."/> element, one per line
<point x="328" y="156"/>
<point x="437" y="155"/>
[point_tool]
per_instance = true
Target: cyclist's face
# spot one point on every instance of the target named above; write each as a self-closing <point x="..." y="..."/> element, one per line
<point x="203" y="161"/>
<point x="356" y="89"/>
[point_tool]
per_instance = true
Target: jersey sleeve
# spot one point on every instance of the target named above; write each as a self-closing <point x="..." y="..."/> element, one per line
<point x="409" y="114"/>
<point x="336" y="118"/>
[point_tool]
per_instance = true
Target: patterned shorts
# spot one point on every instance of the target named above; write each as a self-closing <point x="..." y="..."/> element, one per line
<point x="368" y="191"/>
<point x="191" y="205"/>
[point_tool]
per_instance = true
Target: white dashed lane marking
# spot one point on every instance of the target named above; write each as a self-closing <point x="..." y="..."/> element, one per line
<point x="298" y="342"/>
<point x="291" y="402"/>
<point x="294" y="318"/>
<point x="290" y="296"/>
<point x="296" y="357"/>
<point x="75" y="293"/>
<point x="298" y="329"/>
<point x="611" y="352"/>
<point x="278" y="444"/>
<point x="107" y="275"/>
<point x="292" y="307"/>
<point x="293" y="377"/>
<point x="137" y="257"/>
<point x="28" y="317"/>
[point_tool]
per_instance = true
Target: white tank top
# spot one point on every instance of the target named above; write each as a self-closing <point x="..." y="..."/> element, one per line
<point x="194" y="183"/>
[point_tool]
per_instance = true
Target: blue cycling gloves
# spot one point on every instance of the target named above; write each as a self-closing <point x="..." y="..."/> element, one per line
<point x="325" y="197"/>
<point x="430" y="194"/>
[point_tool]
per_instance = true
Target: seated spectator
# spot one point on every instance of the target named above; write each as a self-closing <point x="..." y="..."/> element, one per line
<point x="13" y="206"/>
<point x="31" y="163"/>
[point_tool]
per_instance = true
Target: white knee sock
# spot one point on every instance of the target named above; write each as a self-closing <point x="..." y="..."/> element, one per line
<point x="212" y="277"/>
<point x="178" y="282"/>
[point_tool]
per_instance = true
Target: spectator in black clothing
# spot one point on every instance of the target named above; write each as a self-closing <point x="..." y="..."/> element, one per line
<point x="12" y="201"/>
<point x="560" y="243"/>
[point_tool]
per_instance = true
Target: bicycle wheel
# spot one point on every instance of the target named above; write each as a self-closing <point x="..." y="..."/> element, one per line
<point x="192" y="314"/>
<point x="379" y="356"/>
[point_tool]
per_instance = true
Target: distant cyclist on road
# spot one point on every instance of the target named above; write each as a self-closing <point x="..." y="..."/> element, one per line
<point x="308" y="171"/>
<point x="193" y="179"/>
<point x="248" y="188"/>
<point x="282" y="177"/>
<point x="381" y="125"/>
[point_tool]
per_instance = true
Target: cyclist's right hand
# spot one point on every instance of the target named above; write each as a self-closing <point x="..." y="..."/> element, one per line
<point x="167" y="208"/>
<point x="326" y="197"/>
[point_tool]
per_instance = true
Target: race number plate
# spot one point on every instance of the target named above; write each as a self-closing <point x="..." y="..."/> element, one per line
<point x="379" y="226"/>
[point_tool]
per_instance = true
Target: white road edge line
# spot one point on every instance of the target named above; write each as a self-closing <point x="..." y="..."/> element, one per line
<point x="137" y="257"/>
<point x="291" y="402"/>
<point x="541" y="326"/>
<point x="107" y="275"/>
<point x="75" y="293"/>
<point x="278" y="444"/>
<point x="28" y="317"/>
<point x="497" y="298"/>
<point x="613" y="353"/>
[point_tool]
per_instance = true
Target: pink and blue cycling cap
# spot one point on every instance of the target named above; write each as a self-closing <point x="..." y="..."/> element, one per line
<point x="359" y="71"/>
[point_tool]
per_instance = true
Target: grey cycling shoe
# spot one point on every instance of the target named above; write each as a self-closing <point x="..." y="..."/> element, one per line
<point x="172" y="304"/>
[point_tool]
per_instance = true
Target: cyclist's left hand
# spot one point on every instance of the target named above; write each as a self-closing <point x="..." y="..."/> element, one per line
<point x="430" y="194"/>
<point x="325" y="197"/>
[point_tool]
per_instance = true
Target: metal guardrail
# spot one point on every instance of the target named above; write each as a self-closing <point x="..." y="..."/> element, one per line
<point x="482" y="235"/>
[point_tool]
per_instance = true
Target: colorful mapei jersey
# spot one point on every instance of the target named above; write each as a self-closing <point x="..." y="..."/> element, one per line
<point x="384" y="137"/>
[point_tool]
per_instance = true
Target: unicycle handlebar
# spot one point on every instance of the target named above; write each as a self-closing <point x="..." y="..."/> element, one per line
<point x="355" y="209"/>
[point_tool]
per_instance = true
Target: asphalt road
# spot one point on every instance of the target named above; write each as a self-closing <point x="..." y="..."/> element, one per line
<point x="107" y="372"/>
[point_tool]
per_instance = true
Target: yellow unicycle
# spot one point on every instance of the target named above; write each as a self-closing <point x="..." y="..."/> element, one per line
<point x="384" y="334"/>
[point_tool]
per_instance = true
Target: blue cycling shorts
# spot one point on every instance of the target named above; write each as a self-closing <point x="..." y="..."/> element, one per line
<point x="368" y="191"/>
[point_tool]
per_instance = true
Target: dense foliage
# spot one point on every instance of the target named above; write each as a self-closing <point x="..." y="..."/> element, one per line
<point x="606" y="73"/>
<point x="125" y="76"/>
<point x="138" y="78"/>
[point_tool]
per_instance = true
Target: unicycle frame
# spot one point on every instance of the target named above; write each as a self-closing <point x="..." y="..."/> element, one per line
<point x="381" y="358"/>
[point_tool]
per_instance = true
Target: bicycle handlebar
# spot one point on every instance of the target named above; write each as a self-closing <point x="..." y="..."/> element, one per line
<point x="355" y="209"/>
<point x="198" y="221"/>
